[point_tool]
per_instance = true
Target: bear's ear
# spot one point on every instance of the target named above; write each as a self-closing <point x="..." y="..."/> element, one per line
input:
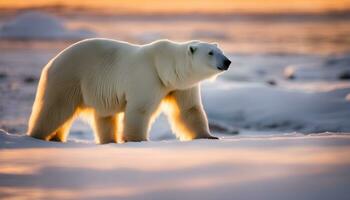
<point x="215" y="44"/>
<point x="192" y="49"/>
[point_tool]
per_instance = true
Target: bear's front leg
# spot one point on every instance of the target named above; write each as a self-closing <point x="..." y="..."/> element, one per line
<point x="136" y="124"/>
<point x="187" y="115"/>
<point x="195" y="122"/>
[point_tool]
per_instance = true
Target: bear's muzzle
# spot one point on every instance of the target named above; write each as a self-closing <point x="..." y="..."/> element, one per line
<point x="226" y="64"/>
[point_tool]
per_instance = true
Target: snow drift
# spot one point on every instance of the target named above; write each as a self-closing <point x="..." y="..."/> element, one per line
<point x="40" y="26"/>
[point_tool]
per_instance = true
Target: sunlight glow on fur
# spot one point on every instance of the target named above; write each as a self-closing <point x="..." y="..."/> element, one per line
<point x="118" y="88"/>
<point x="171" y="109"/>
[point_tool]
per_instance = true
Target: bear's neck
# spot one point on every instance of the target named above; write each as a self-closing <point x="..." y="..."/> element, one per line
<point x="174" y="66"/>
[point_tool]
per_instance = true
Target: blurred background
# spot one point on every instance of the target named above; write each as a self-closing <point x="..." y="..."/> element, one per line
<point x="291" y="59"/>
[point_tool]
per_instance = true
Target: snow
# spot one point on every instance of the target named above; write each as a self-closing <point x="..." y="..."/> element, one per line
<point x="260" y="106"/>
<point x="280" y="138"/>
<point x="249" y="107"/>
<point x="40" y="25"/>
<point x="284" y="167"/>
<point x="332" y="68"/>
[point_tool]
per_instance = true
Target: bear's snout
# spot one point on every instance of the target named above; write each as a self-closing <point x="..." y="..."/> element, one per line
<point x="226" y="64"/>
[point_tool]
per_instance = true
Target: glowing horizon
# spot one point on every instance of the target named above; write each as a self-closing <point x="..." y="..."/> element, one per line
<point x="186" y="6"/>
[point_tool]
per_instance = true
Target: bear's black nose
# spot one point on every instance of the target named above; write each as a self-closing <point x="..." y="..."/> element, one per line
<point x="227" y="63"/>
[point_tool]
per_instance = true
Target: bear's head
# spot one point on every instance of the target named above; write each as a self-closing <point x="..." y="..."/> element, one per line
<point x="202" y="61"/>
<point x="207" y="58"/>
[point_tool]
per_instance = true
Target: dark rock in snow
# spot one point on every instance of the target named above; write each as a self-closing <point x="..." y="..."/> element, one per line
<point x="30" y="79"/>
<point x="271" y="82"/>
<point x="344" y="75"/>
<point x="3" y="75"/>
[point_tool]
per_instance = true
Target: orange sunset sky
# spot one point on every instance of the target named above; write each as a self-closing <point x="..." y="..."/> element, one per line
<point x="179" y="6"/>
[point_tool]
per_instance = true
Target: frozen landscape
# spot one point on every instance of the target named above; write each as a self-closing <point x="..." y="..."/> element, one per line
<point x="282" y="112"/>
<point x="297" y="167"/>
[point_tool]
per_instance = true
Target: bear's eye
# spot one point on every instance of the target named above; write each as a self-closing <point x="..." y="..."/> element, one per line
<point x="210" y="53"/>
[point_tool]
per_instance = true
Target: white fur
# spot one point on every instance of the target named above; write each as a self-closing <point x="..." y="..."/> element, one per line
<point x="118" y="82"/>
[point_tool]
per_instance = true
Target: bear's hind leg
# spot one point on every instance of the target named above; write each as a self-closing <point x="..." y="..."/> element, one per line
<point x="61" y="134"/>
<point x="46" y="121"/>
<point x="105" y="129"/>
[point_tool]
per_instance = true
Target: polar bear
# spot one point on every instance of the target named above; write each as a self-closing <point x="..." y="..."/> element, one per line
<point x="122" y="86"/>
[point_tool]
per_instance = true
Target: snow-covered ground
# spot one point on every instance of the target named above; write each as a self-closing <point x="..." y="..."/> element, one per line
<point x="289" y="167"/>
<point x="282" y="113"/>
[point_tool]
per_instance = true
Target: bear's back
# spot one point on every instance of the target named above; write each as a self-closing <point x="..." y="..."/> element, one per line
<point x="89" y="56"/>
